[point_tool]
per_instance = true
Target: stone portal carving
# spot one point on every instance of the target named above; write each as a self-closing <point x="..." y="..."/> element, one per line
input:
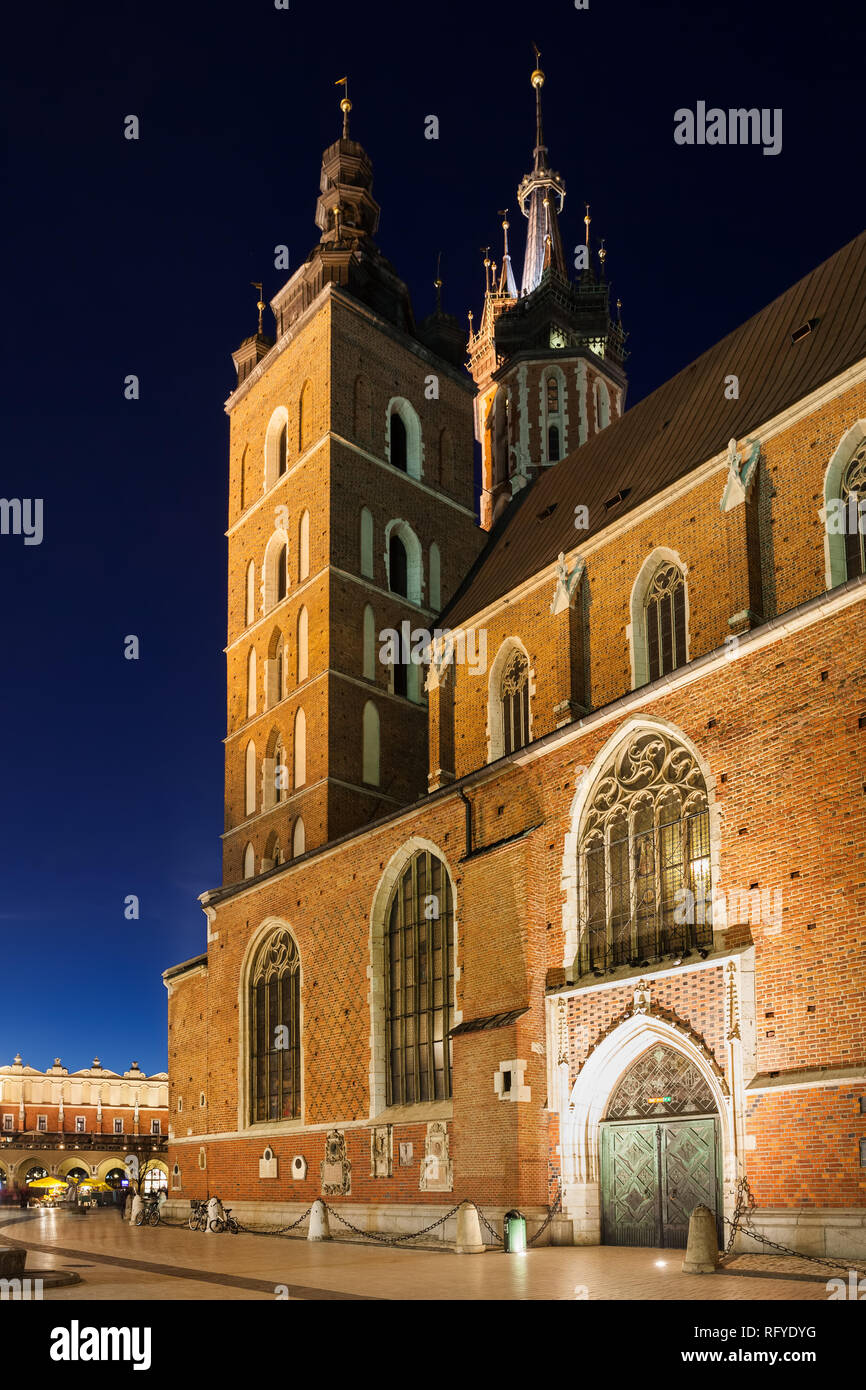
<point x="336" y="1168"/>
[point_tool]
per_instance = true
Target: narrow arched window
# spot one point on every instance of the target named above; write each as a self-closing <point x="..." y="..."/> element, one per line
<point x="300" y="748"/>
<point x="370" y="742"/>
<point x="399" y="456"/>
<point x="282" y="574"/>
<point x="245" y="479"/>
<point x="251" y="682"/>
<point x="250" y="779"/>
<point x="435" y="578"/>
<point x="553" y="401"/>
<point x="299" y="839"/>
<point x="250" y="602"/>
<point x="552" y="395"/>
<point x="303" y="645"/>
<point x="665" y="613"/>
<point x="249" y="861"/>
<point x="644" y="883"/>
<point x="853" y="513"/>
<point x="280" y="672"/>
<point x="369" y="656"/>
<point x="515" y="702"/>
<point x="282" y="451"/>
<point x="366" y="543"/>
<point x="305" y="423"/>
<point x="602" y="405"/>
<point x="304" y="546"/>
<point x="553" y="444"/>
<point x="398" y="566"/>
<point x="281" y="772"/>
<point x="275" y="1030"/>
<point x="419" y="983"/>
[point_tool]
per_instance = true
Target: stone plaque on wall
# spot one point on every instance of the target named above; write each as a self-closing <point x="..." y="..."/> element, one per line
<point x="381" y="1151"/>
<point x="336" y="1168"/>
<point x="436" y="1170"/>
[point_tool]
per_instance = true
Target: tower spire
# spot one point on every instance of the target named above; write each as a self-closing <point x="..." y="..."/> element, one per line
<point x="541" y="195"/>
<point x="345" y="104"/>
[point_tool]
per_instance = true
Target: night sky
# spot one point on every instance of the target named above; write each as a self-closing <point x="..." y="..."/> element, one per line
<point x="136" y="257"/>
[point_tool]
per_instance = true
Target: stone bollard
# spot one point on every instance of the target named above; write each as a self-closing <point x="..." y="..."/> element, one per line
<point x="136" y="1206"/>
<point x="469" y="1240"/>
<point x="702" y="1252"/>
<point x="319" y="1227"/>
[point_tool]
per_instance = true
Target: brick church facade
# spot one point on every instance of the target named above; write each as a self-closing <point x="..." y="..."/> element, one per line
<point x="576" y="904"/>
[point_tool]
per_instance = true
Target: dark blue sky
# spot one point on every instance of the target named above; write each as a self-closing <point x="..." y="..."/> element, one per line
<point x="136" y="257"/>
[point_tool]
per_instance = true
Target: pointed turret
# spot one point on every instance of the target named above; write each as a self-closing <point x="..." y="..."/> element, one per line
<point x="541" y="195"/>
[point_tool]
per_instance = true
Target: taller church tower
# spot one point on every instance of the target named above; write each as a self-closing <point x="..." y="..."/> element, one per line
<point x="549" y="361"/>
<point x="351" y="512"/>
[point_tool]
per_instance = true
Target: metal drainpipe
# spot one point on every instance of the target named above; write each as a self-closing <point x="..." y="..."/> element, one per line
<point x="468" y="804"/>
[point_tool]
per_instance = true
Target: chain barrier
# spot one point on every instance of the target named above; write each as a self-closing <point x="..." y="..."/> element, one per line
<point x="394" y="1240"/>
<point x="743" y="1208"/>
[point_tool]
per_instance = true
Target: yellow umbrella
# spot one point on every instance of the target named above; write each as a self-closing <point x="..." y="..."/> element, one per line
<point x="95" y="1183"/>
<point x="48" y="1182"/>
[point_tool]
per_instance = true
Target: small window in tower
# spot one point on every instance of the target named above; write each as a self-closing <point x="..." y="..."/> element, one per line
<point x="553" y="444"/>
<point x="282" y="451"/>
<point x="401" y="684"/>
<point x="552" y="394"/>
<point x="398" y="442"/>
<point x="282" y="573"/>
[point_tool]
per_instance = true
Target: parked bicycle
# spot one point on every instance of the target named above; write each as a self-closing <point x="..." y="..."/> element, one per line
<point x="148" y="1215"/>
<point x="198" y="1214"/>
<point x="225" y="1222"/>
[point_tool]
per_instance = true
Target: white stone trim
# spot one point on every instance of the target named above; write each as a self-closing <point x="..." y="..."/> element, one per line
<point x="835" y="571"/>
<point x="636" y="633"/>
<point x="257" y="937"/>
<point x="495" y="731"/>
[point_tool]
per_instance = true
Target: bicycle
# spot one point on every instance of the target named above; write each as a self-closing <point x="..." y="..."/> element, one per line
<point x="198" y="1215"/>
<point x="149" y="1213"/>
<point x="229" y="1223"/>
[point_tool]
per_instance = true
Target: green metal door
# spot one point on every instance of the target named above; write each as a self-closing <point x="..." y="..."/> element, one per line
<point x="652" y="1178"/>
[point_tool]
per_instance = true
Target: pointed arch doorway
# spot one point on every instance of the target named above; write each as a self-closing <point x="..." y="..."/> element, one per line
<point x="660" y="1152"/>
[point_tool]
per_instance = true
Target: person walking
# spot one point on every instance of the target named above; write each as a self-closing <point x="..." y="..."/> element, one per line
<point x="121" y="1206"/>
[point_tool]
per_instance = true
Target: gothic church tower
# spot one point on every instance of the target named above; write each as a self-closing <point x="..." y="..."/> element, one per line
<point x="351" y="512"/>
<point x="549" y="361"/>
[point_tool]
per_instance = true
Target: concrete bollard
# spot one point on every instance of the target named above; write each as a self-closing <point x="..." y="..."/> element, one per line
<point x="319" y="1227"/>
<point x="702" y="1252"/>
<point x="469" y="1240"/>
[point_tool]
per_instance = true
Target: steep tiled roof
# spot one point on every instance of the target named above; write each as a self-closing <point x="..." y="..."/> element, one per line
<point x="679" y="426"/>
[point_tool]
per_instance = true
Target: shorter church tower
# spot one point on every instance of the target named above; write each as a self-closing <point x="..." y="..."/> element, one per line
<point x="549" y="361"/>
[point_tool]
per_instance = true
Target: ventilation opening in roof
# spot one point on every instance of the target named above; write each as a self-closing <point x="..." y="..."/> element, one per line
<point x="548" y="511"/>
<point x="620" y="497"/>
<point x="803" y="331"/>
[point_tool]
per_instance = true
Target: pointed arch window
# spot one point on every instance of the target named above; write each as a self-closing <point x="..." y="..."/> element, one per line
<point x="281" y="772"/>
<point x="250" y="779"/>
<point x="282" y="451"/>
<point x="369" y="654"/>
<point x="249" y="861"/>
<point x="299" y="839"/>
<point x="282" y="572"/>
<point x="250" y="598"/>
<point x="853" y="512"/>
<point x="251" y="682"/>
<point x="419" y="983"/>
<point x="644" y="858"/>
<point x="275" y="1032"/>
<point x="366" y="543"/>
<point x="553" y="400"/>
<point x="370" y="745"/>
<point x="398" y="442"/>
<point x="398" y="565"/>
<point x="279" y="672"/>
<point x="602" y="405"/>
<point x="303" y="645"/>
<point x="514" y="695"/>
<point x="665" y="617"/>
<point x="300" y="748"/>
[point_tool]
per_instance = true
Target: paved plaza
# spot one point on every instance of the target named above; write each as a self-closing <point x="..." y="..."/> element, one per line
<point x="116" y="1261"/>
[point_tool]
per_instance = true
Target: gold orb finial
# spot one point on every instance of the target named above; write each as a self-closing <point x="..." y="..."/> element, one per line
<point x="345" y="105"/>
<point x="537" y="78"/>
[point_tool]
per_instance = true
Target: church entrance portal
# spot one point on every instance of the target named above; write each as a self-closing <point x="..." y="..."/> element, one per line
<point x="660" y="1152"/>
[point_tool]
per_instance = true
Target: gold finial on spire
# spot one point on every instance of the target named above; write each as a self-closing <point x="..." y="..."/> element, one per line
<point x="345" y="104"/>
<point x="486" y="250"/>
<point x="471" y="316"/>
<point x="338" y="228"/>
<point x="619" y="312"/>
<point x="260" y="304"/>
<point x="537" y="78"/>
<point x="602" y="256"/>
<point x="586" y="221"/>
<point x="437" y="283"/>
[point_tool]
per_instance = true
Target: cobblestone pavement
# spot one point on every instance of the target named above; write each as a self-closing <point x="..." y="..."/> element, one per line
<point x="117" y="1261"/>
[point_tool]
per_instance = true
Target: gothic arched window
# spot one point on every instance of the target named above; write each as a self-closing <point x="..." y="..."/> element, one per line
<point x="644" y="858"/>
<point x="281" y="772"/>
<point x="282" y="451"/>
<point x="282" y="575"/>
<point x="553" y="444"/>
<point x="305" y="421"/>
<point x="275" y="1034"/>
<point x="304" y="545"/>
<point x="514" y="694"/>
<point x="398" y="442"/>
<point x="553" y="400"/>
<point x="398" y="565"/>
<point x="665" y="613"/>
<point x="853" y="498"/>
<point x="419" y="983"/>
